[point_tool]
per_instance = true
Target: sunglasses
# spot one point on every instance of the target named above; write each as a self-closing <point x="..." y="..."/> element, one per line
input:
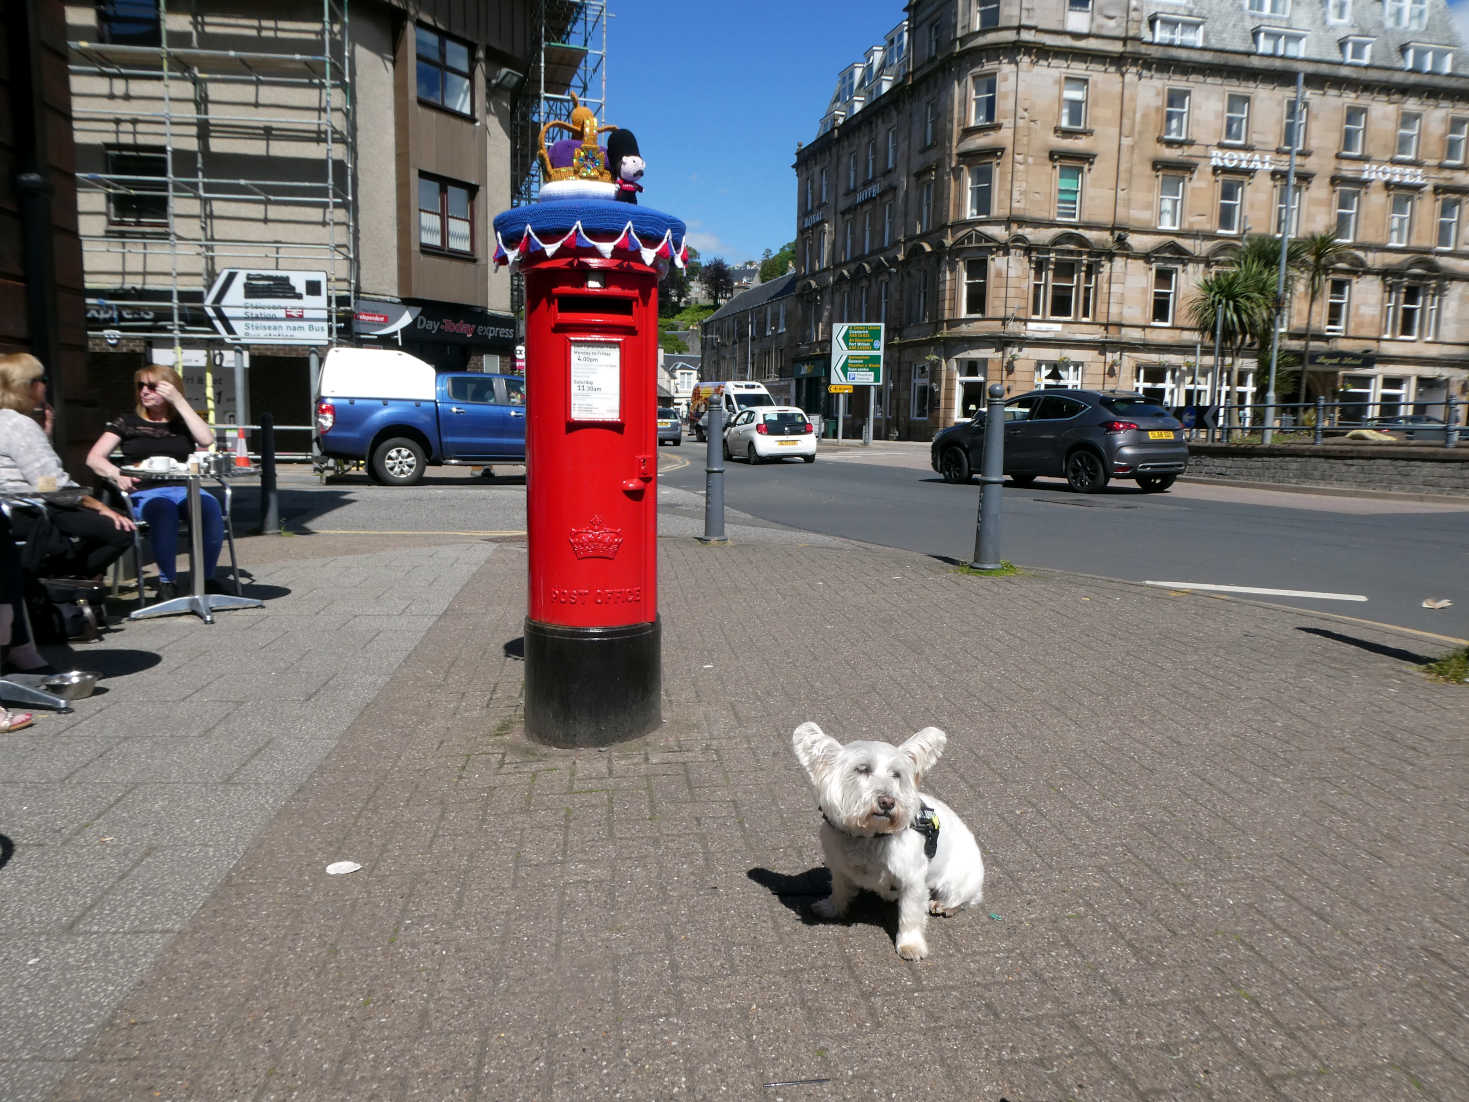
<point x="147" y="386"/>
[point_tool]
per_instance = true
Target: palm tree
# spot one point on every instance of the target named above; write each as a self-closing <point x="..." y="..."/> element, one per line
<point x="1244" y="296"/>
<point x="1320" y="253"/>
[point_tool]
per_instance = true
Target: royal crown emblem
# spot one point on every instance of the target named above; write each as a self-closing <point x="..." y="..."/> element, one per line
<point x="578" y="157"/>
<point x="595" y="541"/>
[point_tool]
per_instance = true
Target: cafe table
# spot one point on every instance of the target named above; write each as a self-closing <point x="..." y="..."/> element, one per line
<point x="197" y="601"/>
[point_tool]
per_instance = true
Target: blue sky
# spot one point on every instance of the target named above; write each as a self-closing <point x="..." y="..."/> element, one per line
<point x="718" y="95"/>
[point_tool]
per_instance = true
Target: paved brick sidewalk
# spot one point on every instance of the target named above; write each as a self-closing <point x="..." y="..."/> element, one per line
<point x="1225" y="846"/>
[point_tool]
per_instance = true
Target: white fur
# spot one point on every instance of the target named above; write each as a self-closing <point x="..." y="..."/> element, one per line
<point x="868" y="793"/>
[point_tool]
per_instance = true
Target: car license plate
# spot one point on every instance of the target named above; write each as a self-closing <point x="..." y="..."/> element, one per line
<point x="786" y="443"/>
<point x="1158" y="434"/>
<point x="665" y="424"/>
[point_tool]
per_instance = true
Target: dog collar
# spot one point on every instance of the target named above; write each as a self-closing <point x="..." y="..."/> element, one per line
<point x="926" y="822"/>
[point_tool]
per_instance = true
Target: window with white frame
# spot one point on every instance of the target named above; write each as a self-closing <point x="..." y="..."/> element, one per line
<point x="1295" y="209"/>
<point x="1392" y="393"/>
<point x="1448" y="222"/>
<point x="1354" y="131"/>
<point x="887" y="223"/>
<point x="1268" y="7"/>
<point x="1062" y="289"/>
<point x="1412" y="312"/>
<point x="867" y="230"/>
<point x="1348" y="201"/>
<point x="976" y="287"/>
<point x="1178" y="30"/>
<point x="1338" y="11"/>
<point x="821" y="246"/>
<point x="1410" y="125"/>
<point x="847" y="240"/>
<point x="1338" y="305"/>
<point x="1068" y="193"/>
<point x="925" y="206"/>
<point x="1175" y="113"/>
<point x="852" y="171"/>
<point x="920" y="297"/>
<point x="1158" y="382"/>
<point x="1292" y="134"/>
<point x="871" y="159"/>
<point x="981" y="189"/>
<point x="919" y="409"/>
<point x="935" y="33"/>
<point x="987" y="14"/>
<point x="1079" y="16"/>
<point x="882" y="301"/>
<point x="1231" y="204"/>
<point x="1278" y="43"/>
<point x="1355" y="397"/>
<point x="807" y="188"/>
<point x="892" y="146"/>
<point x="1073" y="103"/>
<point x="1236" y="119"/>
<point x="806" y="253"/>
<point x="1165" y="290"/>
<point x="1405" y="15"/>
<point x="930" y="122"/>
<point x="1454" y="141"/>
<point x="969" y="389"/>
<point x="1356" y="50"/>
<point x="445" y="216"/>
<point x="824" y="188"/>
<point x="1057" y="375"/>
<point x="1400" y="220"/>
<point x="1170" y="200"/>
<point x="1420" y="58"/>
<point x="983" y="110"/>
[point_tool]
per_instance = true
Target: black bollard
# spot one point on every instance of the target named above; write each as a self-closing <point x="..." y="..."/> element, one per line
<point x="714" y="476"/>
<point x="270" y="514"/>
<point x="991" y="479"/>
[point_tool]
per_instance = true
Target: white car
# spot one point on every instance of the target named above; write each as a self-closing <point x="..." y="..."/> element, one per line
<point x="770" y="432"/>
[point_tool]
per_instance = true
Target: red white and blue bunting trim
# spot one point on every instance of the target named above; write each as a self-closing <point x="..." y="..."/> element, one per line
<point x="665" y="248"/>
<point x="543" y="229"/>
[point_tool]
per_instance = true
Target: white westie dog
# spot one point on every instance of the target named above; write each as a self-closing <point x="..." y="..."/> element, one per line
<point x="884" y="835"/>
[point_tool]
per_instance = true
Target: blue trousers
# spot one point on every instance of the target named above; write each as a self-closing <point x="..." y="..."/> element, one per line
<point x="165" y="508"/>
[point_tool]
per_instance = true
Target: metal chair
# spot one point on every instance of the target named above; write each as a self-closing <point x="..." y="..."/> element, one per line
<point x="30" y="691"/>
<point x="141" y="529"/>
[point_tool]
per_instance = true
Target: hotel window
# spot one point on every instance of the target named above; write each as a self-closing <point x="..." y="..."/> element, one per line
<point x="1338" y="11"/>
<point x="1291" y="135"/>
<point x="1409" y="125"/>
<point x="920" y="298"/>
<point x="1356" y="50"/>
<point x="1400" y="221"/>
<point x="935" y="32"/>
<point x="1348" y="199"/>
<point x="1405" y="15"/>
<point x="808" y="194"/>
<point x="1062" y="289"/>
<point x="1268" y="7"/>
<point x="445" y="216"/>
<point x="1079" y="16"/>
<point x="1448" y="222"/>
<point x="1175" y="30"/>
<point x="1165" y="287"/>
<point x="821" y="246"/>
<point x="892" y="146"/>
<point x="882" y="301"/>
<point x="925" y="206"/>
<point x="1073" y="103"/>
<point x="987" y="14"/>
<point x="142" y="201"/>
<point x="1068" y="193"/>
<point x="1231" y="201"/>
<point x="1170" y="201"/>
<point x="1453" y="143"/>
<point x="847" y="242"/>
<point x="1354" y="131"/>
<point x="887" y="223"/>
<point x="1295" y="209"/>
<point x="443" y="71"/>
<point x="976" y="280"/>
<point x="806" y="254"/>
<point x="1277" y="43"/>
<point x="983" y="111"/>
<point x="1428" y="59"/>
<point x="852" y="171"/>
<point x="871" y="159"/>
<point x="129" y="22"/>
<point x="825" y="190"/>
<point x="1338" y="301"/>
<point x="1412" y="312"/>
<point x="1236" y="119"/>
<point x="867" y="231"/>
<point x="1175" y="114"/>
<point x="930" y="121"/>
<point x="1056" y="375"/>
<point x="981" y="190"/>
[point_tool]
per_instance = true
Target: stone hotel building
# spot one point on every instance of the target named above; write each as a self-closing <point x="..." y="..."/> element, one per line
<point x="1029" y="192"/>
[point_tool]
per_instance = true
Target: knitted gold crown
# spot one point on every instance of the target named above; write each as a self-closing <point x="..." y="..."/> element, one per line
<point x="569" y="159"/>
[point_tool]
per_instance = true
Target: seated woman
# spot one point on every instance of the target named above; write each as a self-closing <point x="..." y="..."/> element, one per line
<point x="85" y="537"/>
<point x="162" y="423"/>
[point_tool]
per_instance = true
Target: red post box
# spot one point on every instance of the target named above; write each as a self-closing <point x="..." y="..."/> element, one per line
<point x="593" y="665"/>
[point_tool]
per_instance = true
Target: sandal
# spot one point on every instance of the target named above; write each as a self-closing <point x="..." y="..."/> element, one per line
<point x="14" y="721"/>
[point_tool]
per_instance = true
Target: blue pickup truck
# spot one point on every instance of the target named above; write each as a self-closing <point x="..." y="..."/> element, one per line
<point x="398" y="415"/>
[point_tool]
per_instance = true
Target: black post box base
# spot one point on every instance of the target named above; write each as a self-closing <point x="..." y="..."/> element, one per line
<point x="592" y="686"/>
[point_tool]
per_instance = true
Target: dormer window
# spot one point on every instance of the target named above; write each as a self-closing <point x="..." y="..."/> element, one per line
<point x="1405" y="15"/>
<point x="1356" y="50"/>
<point x="1279" y="8"/>
<point x="1338" y="11"/>
<point x="1428" y="59"/>
<point x="1279" y="43"/>
<point x="1177" y="30"/>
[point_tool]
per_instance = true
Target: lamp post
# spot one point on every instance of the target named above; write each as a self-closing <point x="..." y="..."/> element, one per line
<point x="1268" y="434"/>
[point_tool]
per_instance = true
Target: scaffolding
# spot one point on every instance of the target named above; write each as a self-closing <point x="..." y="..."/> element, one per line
<point x="202" y="152"/>
<point x="568" y="57"/>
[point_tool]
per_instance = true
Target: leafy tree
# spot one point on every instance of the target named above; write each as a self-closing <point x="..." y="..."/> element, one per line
<point x="673" y="292"/>
<point x="775" y="266"/>
<point x="718" y="279"/>
<point x="1320" y="253"/>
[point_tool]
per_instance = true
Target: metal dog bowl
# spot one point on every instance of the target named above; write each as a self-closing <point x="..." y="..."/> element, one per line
<point x="71" y="684"/>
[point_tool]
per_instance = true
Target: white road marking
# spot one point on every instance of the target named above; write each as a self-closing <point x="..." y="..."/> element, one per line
<point x="1260" y="592"/>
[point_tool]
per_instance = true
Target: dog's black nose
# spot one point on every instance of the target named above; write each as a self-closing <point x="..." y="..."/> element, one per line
<point x="886" y="804"/>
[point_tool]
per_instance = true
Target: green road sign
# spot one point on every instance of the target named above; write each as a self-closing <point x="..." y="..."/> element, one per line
<point x="856" y="354"/>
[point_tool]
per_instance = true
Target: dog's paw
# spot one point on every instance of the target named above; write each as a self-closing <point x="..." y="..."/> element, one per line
<point x="825" y="908"/>
<point x="937" y="908"/>
<point x="913" y="948"/>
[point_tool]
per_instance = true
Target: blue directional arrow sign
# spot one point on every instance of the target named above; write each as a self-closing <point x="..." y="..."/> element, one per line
<point x="856" y="353"/>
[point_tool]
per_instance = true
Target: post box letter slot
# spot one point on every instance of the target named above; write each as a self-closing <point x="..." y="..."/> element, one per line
<point x="594" y="304"/>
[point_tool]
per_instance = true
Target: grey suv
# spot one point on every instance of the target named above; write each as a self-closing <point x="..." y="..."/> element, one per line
<point x="1084" y="436"/>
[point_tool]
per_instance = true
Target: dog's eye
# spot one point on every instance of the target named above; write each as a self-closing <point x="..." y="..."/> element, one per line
<point x="898" y="774"/>
<point x="864" y="769"/>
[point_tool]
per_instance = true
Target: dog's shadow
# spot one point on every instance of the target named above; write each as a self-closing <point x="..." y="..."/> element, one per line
<point x="797" y="893"/>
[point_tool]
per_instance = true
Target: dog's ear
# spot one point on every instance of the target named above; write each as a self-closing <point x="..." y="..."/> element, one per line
<point x="924" y="748"/>
<point x="815" y="750"/>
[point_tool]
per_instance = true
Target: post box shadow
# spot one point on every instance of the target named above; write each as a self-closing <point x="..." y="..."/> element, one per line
<point x="515" y="648"/>
<point x="797" y="893"/>
<point x="1396" y="653"/>
<point x="7" y="850"/>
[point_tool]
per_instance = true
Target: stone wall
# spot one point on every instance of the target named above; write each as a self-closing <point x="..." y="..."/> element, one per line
<point x="1404" y="469"/>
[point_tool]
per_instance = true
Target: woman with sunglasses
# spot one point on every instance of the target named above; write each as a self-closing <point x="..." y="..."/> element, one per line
<point x="162" y="423"/>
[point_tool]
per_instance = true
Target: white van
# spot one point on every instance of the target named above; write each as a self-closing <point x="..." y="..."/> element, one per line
<point x="733" y="394"/>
